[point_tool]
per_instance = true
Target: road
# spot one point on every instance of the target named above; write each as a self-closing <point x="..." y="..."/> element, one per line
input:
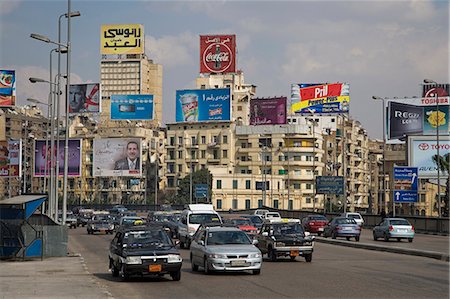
<point x="334" y="272"/>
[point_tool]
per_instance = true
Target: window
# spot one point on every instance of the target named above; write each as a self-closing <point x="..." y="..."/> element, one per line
<point x="180" y="140"/>
<point x="225" y="154"/>
<point x="235" y="204"/>
<point x="203" y="152"/>
<point x="219" y="204"/>
<point x="247" y="184"/>
<point x="225" y="139"/>
<point x="180" y="168"/>
<point x="290" y="204"/>
<point x="260" y="203"/>
<point x="172" y="141"/>
<point x="308" y="200"/>
<point x="296" y="185"/>
<point x="180" y="155"/>
<point x="235" y="184"/>
<point x="193" y="140"/>
<point x="203" y="138"/>
<point x="216" y="154"/>
<point x="275" y="203"/>
<point x="239" y="108"/>
<point x="308" y="186"/>
<point x="219" y="184"/>
<point x="422" y="197"/>
<point x="247" y="204"/>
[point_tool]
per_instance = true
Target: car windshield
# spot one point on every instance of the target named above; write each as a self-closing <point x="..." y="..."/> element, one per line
<point x="345" y="221"/>
<point x="147" y="238"/>
<point x="256" y="220"/>
<point x="227" y="237"/>
<point x="399" y="222"/>
<point x="203" y="218"/>
<point x="287" y="229"/>
<point x="318" y="217"/>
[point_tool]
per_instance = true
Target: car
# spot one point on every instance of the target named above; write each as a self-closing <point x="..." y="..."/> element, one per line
<point x="130" y="220"/>
<point x="144" y="250"/>
<point x="101" y="224"/>
<point x="342" y="227"/>
<point x="244" y="224"/>
<point x="222" y="248"/>
<point x="84" y="215"/>
<point x="357" y="216"/>
<point x="71" y="220"/>
<point x="272" y="215"/>
<point x="256" y="220"/>
<point x="396" y="228"/>
<point x="261" y="212"/>
<point x="117" y="209"/>
<point x="285" y="238"/>
<point x="315" y="223"/>
<point x="168" y="220"/>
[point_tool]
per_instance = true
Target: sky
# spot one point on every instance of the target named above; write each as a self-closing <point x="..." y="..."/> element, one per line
<point x="381" y="48"/>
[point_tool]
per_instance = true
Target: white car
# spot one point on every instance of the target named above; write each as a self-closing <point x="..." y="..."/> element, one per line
<point x="357" y="216"/>
<point x="261" y="213"/>
<point x="273" y="215"/>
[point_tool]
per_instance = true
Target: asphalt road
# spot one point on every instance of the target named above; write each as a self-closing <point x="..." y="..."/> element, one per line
<point x="335" y="272"/>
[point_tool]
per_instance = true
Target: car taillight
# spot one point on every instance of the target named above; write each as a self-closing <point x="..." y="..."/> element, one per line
<point x="338" y="227"/>
<point x="412" y="227"/>
<point x="391" y="228"/>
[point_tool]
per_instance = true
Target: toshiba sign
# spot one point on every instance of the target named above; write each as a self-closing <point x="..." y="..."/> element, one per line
<point x="217" y="53"/>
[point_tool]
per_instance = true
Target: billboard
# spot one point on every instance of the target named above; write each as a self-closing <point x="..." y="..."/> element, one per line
<point x="270" y="111"/>
<point x="405" y="184"/>
<point x="84" y="98"/>
<point x="435" y="119"/>
<point x="320" y="98"/>
<point x="330" y="185"/>
<point x="122" y="39"/>
<point x="7" y="88"/>
<point x="404" y="119"/>
<point x="217" y="53"/>
<point x="42" y="165"/>
<point x="203" y="105"/>
<point x="421" y="150"/>
<point x="133" y="107"/>
<point x="117" y="157"/>
<point x="11" y="158"/>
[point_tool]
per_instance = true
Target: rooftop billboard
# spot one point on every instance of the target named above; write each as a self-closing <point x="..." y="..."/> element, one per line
<point x="271" y="111"/>
<point x="7" y="88"/>
<point x="84" y="98"/>
<point x="198" y="105"/>
<point x="132" y="107"/>
<point x="122" y="39"/>
<point x="421" y="150"/>
<point x="217" y="53"/>
<point x="320" y="98"/>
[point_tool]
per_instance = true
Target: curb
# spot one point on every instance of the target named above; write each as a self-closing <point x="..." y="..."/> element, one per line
<point x="430" y="254"/>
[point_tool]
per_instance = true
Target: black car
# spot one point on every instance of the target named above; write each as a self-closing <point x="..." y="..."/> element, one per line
<point x="99" y="224"/>
<point x="144" y="250"/>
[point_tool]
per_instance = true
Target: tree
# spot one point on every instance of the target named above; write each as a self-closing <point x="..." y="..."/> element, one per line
<point x="202" y="176"/>
<point x="443" y="163"/>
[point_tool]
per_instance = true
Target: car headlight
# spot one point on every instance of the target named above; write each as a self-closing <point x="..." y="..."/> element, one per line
<point x="280" y="244"/>
<point x="111" y="226"/>
<point x="255" y="255"/>
<point x="217" y="256"/>
<point x="133" y="260"/>
<point x="174" y="258"/>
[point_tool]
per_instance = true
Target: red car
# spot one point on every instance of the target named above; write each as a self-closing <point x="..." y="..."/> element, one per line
<point x="315" y="223"/>
<point x="243" y="224"/>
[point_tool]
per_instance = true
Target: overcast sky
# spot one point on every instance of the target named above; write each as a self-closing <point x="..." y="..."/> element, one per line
<point x="383" y="48"/>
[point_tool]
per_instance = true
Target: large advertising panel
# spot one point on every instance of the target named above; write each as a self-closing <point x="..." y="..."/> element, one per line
<point x="11" y="158"/>
<point x="320" y="98"/>
<point x="133" y="107"/>
<point x="42" y="165"/>
<point x="404" y="120"/>
<point x="435" y="119"/>
<point x="270" y="111"/>
<point x="122" y="39"/>
<point x="7" y="88"/>
<point x="84" y="98"/>
<point x="198" y="105"/>
<point x="217" y="53"/>
<point x="117" y="157"/>
<point x="422" y="149"/>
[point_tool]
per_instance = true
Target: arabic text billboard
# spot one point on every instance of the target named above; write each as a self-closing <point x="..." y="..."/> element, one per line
<point x="133" y="107"/>
<point x="217" y="53"/>
<point x="122" y="39"/>
<point x="11" y="158"/>
<point x="320" y="98"/>
<point x="7" y="88"/>
<point x="117" y="157"/>
<point x="84" y="98"/>
<point x="268" y="111"/>
<point x="203" y="105"/>
<point x="421" y="150"/>
<point x="42" y="165"/>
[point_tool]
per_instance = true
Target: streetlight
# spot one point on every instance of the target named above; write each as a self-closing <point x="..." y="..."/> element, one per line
<point x="432" y="82"/>
<point x="384" y="155"/>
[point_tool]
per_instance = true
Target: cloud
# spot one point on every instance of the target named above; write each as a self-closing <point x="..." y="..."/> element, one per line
<point x="7" y="7"/>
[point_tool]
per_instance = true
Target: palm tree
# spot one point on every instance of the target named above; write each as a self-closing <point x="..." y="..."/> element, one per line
<point x="443" y="163"/>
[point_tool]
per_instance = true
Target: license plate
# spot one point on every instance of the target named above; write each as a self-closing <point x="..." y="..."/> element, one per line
<point x="294" y="252"/>
<point x="154" y="268"/>
<point x="238" y="263"/>
<point x="320" y="229"/>
<point x="347" y="228"/>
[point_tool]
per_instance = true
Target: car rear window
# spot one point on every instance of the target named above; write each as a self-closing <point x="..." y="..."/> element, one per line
<point x="399" y="222"/>
<point x="346" y="221"/>
<point x="354" y="216"/>
<point x="203" y="218"/>
<point x="318" y="217"/>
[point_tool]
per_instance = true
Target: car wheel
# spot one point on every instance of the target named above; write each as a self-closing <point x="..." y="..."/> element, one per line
<point x="308" y="257"/>
<point x="348" y="238"/>
<point x="386" y="238"/>
<point x="205" y="266"/>
<point x="357" y="238"/>
<point x="410" y="240"/>
<point x="256" y="272"/>
<point x="114" y="270"/>
<point x="194" y="267"/>
<point x="374" y="236"/>
<point x="272" y="255"/>
<point x="122" y="273"/>
<point x="399" y="239"/>
<point x="176" y="276"/>
<point x="319" y="234"/>
<point x="334" y="235"/>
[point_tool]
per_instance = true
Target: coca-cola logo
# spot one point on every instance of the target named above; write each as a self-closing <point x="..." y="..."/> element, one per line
<point x="217" y="57"/>
<point x="424" y="146"/>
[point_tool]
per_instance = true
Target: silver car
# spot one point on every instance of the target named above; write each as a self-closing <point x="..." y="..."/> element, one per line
<point x="396" y="228"/>
<point x="218" y="248"/>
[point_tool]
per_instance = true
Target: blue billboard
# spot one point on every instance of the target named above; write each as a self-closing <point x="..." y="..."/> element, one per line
<point x="330" y="185"/>
<point x="197" y="105"/>
<point x="132" y="107"/>
<point x="405" y="184"/>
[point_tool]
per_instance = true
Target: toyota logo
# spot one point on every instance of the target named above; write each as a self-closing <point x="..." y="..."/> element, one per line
<point x="424" y="146"/>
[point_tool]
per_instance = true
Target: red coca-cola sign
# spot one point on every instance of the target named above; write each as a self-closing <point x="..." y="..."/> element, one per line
<point x="217" y="53"/>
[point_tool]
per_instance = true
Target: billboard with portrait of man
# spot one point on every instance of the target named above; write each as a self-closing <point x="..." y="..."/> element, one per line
<point x="84" y="98"/>
<point x="117" y="157"/>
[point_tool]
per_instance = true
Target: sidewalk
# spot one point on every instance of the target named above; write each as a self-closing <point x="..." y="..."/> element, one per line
<point x="55" y="277"/>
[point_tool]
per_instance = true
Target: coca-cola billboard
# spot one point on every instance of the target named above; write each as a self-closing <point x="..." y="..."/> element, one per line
<point x="217" y="53"/>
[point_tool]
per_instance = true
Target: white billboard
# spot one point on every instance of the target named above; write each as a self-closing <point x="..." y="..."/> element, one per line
<point x="422" y="149"/>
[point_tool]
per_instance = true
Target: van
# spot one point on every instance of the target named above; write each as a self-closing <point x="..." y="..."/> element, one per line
<point x="191" y="218"/>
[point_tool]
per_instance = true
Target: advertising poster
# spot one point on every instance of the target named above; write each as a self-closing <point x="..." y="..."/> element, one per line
<point x="217" y="53"/>
<point x="422" y="149"/>
<point x="117" y="157"/>
<point x="198" y="105"/>
<point x="11" y="158"/>
<point x="122" y="39"/>
<point x="436" y="120"/>
<point x="84" y="98"/>
<point x="430" y="92"/>
<point x="40" y="150"/>
<point x="132" y="107"/>
<point x="320" y="98"/>
<point x="7" y="88"/>
<point x="404" y="119"/>
<point x="270" y="111"/>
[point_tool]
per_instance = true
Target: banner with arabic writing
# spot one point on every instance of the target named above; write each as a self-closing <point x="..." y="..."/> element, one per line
<point x="122" y="39"/>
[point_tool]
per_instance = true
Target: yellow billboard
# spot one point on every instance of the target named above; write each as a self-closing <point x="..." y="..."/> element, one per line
<point x="122" y="39"/>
